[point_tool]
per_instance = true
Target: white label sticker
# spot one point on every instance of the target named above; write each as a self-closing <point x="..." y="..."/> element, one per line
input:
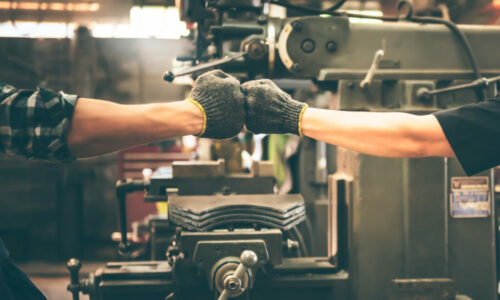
<point x="470" y="197"/>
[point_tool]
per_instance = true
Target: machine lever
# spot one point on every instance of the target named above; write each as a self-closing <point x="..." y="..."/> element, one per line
<point x="425" y="93"/>
<point x="74" y="266"/>
<point x="371" y="72"/>
<point x="124" y="187"/>
<point x="233" y="283"/>
<point x="170" y="75"/>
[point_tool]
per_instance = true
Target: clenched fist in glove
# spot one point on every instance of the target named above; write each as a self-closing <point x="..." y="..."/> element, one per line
<point x="271" y="110"/>
<point x="219" y="97"/>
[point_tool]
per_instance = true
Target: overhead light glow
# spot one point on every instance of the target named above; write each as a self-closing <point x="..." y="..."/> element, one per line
<point x="55" y="6"/>
<point x="157" y="22"/>
<point x="28" y="5"/>
<point x="37" y="30"/>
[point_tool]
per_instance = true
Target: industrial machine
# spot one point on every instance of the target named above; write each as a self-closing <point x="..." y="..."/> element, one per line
<point x="395" y="228"/>
<point x="234" y="239"/>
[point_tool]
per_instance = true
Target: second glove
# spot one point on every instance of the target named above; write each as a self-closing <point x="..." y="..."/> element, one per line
<point x="219" y="97"/>
<point x="271" y="110"/>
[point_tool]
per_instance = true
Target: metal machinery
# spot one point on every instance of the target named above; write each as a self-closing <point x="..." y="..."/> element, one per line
<point x="397" y="228"/>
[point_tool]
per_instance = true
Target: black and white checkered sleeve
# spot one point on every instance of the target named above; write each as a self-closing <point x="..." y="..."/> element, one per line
<point x="34" y="123"/>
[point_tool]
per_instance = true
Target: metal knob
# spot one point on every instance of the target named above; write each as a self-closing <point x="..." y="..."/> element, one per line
<point x="74" y="266"/>
<point x="233" y="283"/>
<point x="248" y="259"/>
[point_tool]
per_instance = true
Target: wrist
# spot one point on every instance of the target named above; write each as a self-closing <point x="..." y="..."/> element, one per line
<point x="305" y="121"/>
<point x="199" y="114"/>
<point x="301" y="119"/>
<point x="195" y="117"/>
<point x="174" y="119"/>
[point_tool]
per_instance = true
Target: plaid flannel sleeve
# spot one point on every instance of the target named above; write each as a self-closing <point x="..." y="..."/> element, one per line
<point x="34" y="123"/>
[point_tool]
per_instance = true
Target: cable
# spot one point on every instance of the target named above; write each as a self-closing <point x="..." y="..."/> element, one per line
<point x="452" y="26"/>
<point x="310" y="233"/>
<point x="337" y="5"/>
<point x="454" y="29"/>
<point x="301" y="241"/>
<point x="305" y="9"/>
<point x="331" y="13"/>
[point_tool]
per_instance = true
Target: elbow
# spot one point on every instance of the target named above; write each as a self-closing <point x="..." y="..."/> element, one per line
<point x="415" y="142"/>
<point x="416" y="149"/>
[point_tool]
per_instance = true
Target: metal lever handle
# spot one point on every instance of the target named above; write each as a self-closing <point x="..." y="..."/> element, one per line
<point x="170" y="75"/>
<point x="371" y="72"/>
<point x="233" y="283"/>
<point x="425" y="93"/>
<point x="74" y="266"/>
<point x="124" y="187"/>
<point x="248" y="260"/>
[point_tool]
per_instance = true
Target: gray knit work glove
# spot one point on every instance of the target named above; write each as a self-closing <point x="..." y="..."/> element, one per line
<point x="219" y="97"/>
<point x="270" y="110"/>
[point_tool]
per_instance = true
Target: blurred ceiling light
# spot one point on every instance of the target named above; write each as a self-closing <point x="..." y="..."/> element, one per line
<point x="496" y="4"/>
<point x="37" y="30"/>
<point x="29" y="5"/>
<point x="157" y="22"/>
<point x="57" y="6"/>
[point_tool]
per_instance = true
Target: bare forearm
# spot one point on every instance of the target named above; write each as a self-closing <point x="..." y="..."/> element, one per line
<point x="379" y="134"/>
<point x="100" y="127"/>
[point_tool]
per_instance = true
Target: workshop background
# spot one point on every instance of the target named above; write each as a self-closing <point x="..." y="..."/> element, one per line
<point x="115" y="50"/>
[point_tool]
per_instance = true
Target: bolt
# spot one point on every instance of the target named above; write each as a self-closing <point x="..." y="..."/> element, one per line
<point x="256" y="50"/>
<point x="296" y="67"/>
<point x="297" y="25"/>
<point x="331" y="46"/>
<point x="261" y="20"/>
<point x="423" y="94"/>
<point x="308" y="46"/>
<point x="233" y="283"/>
<point x="226" y="190"/>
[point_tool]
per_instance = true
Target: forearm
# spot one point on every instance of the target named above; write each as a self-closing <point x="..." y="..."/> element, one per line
<point x="379" y="134"/>
<point x="100" y="127"/>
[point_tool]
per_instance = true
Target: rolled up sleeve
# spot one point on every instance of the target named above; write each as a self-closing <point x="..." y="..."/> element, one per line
<point x="35" y="123"/>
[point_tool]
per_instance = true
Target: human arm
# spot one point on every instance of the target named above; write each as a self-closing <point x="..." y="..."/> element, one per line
<point x="471" y="133"/>
<point x="100" y="127"/>
<point x="41" y="124"/>
<point x="214" y="109"/>
<point x="270" y="110"/>
<point x="378" y="134"/>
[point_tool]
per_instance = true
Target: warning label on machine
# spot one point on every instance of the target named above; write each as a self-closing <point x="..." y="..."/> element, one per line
<point x="470" y="197"/>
